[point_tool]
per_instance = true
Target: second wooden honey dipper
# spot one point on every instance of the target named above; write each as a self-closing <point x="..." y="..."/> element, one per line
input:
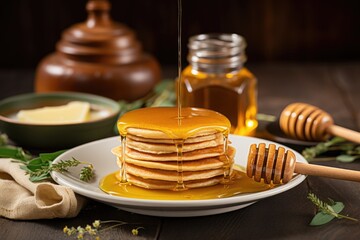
<point x="306" y="122"/>
<point x="278" y="165"/>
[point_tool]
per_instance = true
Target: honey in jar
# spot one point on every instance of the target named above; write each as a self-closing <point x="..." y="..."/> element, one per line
<point x="216" y="79"/>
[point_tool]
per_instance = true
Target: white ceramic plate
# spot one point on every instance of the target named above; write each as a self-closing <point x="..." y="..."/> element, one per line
<point x="98" y="153"/>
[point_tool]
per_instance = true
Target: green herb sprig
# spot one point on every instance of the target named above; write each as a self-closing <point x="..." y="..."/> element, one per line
<point x="336" y="149"/>
<point x="87" y="172"/>
<point x="327" y="211"/>
<point x="8" y="151"/>
<point x="39" y="172"/>
<point x="162" y="95"/>
<point x="39" y="168"/>
<point x="93" y="230"/>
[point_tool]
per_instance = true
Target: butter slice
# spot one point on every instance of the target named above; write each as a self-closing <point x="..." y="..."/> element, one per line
<point x="73" y="112"/>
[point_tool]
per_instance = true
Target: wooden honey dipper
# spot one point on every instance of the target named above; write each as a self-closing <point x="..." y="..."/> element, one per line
<point x="306" y="122"/>
<point x="278" y="166"/>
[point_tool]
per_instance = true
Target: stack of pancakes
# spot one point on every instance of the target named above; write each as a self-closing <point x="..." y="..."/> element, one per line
<point x="151" y="159"/>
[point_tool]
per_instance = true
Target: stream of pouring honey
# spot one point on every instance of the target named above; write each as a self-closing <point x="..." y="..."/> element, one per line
<point x="179" y="124"/>
<point x="179" y="88"/>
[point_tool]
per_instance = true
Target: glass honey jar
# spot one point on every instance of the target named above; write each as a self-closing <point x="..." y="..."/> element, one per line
<point x="217" y="79"/>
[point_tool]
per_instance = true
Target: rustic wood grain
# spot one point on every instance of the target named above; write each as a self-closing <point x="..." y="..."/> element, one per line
<point x="334" y="87"/>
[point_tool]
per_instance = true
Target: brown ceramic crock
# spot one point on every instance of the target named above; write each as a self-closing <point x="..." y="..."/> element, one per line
<point x="100" y="57"/>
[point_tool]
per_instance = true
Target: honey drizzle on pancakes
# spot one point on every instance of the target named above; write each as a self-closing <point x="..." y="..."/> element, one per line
<point x="123" y="178"/>
<point x="166" y="120"/>
<point x="180" y="185"/>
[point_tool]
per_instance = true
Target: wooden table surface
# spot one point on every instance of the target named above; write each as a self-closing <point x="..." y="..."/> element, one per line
<point x="334" y="87"/>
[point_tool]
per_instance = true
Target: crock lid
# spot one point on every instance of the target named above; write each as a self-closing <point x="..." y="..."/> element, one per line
<point x="99" y="39"/>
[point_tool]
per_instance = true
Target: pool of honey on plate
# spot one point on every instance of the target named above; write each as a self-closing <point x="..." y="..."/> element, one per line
<point x="239" y="184"/>
<point x="193" y="120"/>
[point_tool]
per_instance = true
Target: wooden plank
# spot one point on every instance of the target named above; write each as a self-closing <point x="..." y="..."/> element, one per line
<point x="346" y="79"/>
<point x="334" y="87"/>
<point x="53" y="228"/>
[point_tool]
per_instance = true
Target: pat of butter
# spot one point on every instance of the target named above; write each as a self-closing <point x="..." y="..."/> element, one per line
<point x="73" y="112"/>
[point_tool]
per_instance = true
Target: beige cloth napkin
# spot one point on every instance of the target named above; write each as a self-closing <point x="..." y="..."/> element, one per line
<point x="22" y="199"/>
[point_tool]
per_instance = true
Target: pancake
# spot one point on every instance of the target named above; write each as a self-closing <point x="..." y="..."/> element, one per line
<point x="187" y="156"/>
<point x="197" y="165"/>
<point x="166" y="185"/>
<point x="160" y="148"/>
<point x="201" y="138"/>
<point x="155" y="134"/>
<point x="166" y="175"/>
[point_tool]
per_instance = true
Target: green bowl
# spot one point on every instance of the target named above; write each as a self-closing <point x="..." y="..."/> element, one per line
<point x="62" y="136"/>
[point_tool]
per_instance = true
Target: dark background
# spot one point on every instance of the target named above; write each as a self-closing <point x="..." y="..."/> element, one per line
<point x="276" y="30"/>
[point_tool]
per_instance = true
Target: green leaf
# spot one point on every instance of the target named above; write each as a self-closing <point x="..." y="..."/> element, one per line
<point x="336" y="145"/>
<point x="36" y="163"/>
<point x="46" y="157"/>
<point x="347" y="158"/>
<point x="39" y="178"/>
<point x="338" y="207"/>
<point x="25" y="168"/>
<point x="13" y="152"/>
<point x="334" y="141"/>
<point x="327" y="211"/>
<point x="322" y="218"/>
<point x="39" y="164"/>
<point x="8" y="152"/>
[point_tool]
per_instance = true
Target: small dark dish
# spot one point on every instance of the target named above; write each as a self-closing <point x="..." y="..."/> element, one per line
<point x="274" y="133"/>
<point x="60" y="136"/>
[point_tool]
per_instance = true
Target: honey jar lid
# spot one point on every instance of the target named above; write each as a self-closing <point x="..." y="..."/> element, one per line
<point x="99" y="38"/>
